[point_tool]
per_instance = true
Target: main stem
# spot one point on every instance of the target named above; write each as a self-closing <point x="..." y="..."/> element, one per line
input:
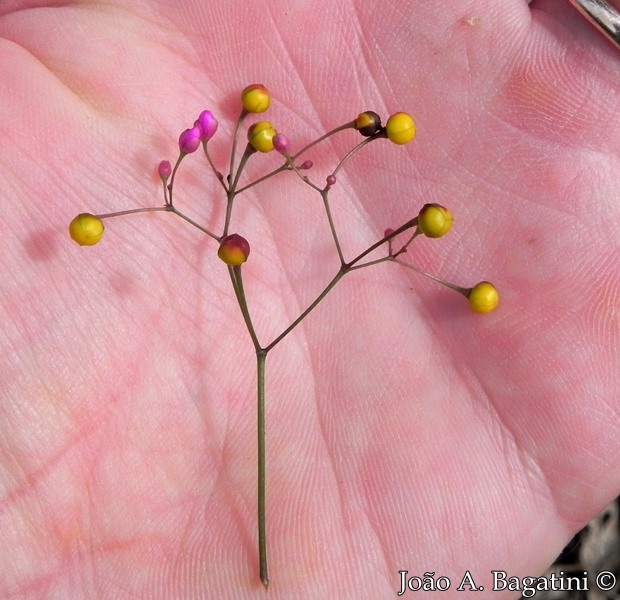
<point x="261" y="356"/>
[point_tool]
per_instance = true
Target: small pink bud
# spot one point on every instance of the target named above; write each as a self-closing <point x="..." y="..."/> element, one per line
<point x="164" y="169"/>
<point x="207" y="124"/>
<point x="281" y="143"/>
<point x="307" y="164"/>
<point x="331" y="180"/>
<point x="189" y="140"/>
<point x="234" y="250"/>
<point x="388" y="231"/>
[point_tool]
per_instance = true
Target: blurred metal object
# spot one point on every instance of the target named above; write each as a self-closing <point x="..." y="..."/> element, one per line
<point x="603" y="16"/>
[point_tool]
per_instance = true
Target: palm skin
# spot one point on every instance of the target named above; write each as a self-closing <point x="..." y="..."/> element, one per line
<point x="404" y="431"/>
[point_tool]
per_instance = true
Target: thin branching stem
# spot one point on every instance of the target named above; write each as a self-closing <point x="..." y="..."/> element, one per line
<point x="353" y="150"/>
<point x="233" y="186"/>
<point x="134" y="211"/>
<point x="290" y="163"/>
<point x="167" y="208"/>
<point x="328" y="212"/>
<point x="370" y="263"/>
<point x="408" y="225"/>
<point x="217" y="174"/>
<point x="344" y="269"/>
<point x="339" y="275"/>
<point x="244" y="159"/>
<point x="284" y="167"/>
<point x="350" y="125"/>
<point x="456" y="288"/>
<point x="178" y="213"/>
<point x="233" y="149"/>
<point x="173" y="176"/>
<point x="412" y="237"/>
<point x="237" y="281"/>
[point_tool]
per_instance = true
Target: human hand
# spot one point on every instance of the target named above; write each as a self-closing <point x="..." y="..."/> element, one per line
<point x="404" y="432"/>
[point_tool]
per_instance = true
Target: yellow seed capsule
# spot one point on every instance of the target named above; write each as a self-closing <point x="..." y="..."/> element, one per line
<point x="435" y="220"/>
<point x="483" y="297"/>
<point x="86" y="229"/>
<point x="400" y="128"/>
<point x="255" y="98"/>
<point x="260" y="136"/>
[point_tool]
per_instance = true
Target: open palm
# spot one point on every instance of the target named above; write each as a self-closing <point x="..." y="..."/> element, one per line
<point x="404" y="431"/>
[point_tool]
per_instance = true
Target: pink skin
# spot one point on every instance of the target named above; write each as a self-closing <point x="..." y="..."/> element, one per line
<point x="404" y="431"/>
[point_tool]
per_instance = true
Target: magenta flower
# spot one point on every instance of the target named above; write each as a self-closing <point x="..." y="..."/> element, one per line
<point x="189" y="140"/>
<point x="207" y="124"/>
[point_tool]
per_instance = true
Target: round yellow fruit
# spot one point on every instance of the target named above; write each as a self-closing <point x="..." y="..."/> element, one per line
<point x="483" y="297"/>
<point x="86" y="229"/>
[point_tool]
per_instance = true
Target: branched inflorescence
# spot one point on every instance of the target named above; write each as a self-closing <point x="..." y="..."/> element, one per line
<point x="432" y="221"/>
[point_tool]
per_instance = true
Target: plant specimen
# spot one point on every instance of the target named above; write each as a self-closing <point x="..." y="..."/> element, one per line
<point x="432" y="220"/>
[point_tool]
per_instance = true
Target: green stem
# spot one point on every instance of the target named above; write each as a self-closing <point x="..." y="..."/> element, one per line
<point x="249" y="150"/>
<point x="134" y="211"/>
<point x="178" y="213"/>
<point x="408" y="225"/>
<point x="172" y="177"/>
<point x="284" y="167"/>
<point x="237" y="282"/>
<point x="351" y="152"/>
<point x="290" y="163"/>
<point x="413" y="236"/>
<point x="456" y="288"/>
<point x="304" y="178"/>
<point x="330" y="220"/>
<point x="167" y="208"/>
<point x="370" y="263"/>
<point x="350" y="125"/>
<point x="261" y="356"/>
<point x="232" y="190"/>
<point x="233" y="150"/>
<point x="219" y="176"/>
<point x="341" y="273"/>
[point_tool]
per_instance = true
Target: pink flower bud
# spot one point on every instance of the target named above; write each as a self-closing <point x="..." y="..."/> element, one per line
<point x="281" y="143"/>
<point x="307" y="164"/>
<point x="189" y="140"/>
<point x="164" y="169"/>
<point x="331" y="180"/>
<point x="388" y="231"/>
<point x="207" y="124"/>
